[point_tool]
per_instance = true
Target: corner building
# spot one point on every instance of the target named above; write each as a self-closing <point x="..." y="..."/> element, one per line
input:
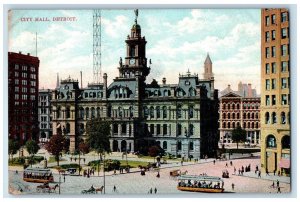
<point x="181" y="118"/>
<point x="275" y="91"/>
<point x="23" y="85"/>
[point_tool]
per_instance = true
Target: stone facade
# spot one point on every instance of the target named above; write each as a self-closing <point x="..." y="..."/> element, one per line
<point x="275" y="91"/>
<point x="181" y="118"/>
<point x="45" y="115"/>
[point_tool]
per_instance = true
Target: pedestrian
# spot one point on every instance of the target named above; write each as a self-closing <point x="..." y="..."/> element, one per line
<point x="278" y="173"/>
<point x="259" y="174"/>
<point x="182" y="162"/>
<point x="267" y="172"/>
<point x="234" y="170"/>
<point x="214" y="162"/>
<point x="232" y="185"/>
<point x="230" y="163"/>
<point x="115" y="188"/>
<point x="278" y="190"/>
<point x="158" y="175"/>
<point x="150" y="190"/>
<point x="16" y="171"/>
<point x="64" y="178"/>
<point x="155" y="190"/>
<point x="239" y="171"/>
<point x="273" y="185"/>
<point x="277" y="183"/>
<point x="226" y="165"/>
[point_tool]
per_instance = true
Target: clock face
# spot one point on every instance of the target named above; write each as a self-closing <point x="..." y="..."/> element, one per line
<point x="131" y="61"/>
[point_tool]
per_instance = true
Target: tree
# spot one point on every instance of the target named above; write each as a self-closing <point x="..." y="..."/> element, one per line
<point x="154" y="151"/>
<point x="13" y="147"/>
<point x="238" y="135"/>
<point x="83" y="148"/>
<point x="32" y="148"/>
<point x="98" y="133"/>
<point x="56" y="145"/>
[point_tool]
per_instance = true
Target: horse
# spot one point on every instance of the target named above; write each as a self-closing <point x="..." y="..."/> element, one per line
<point x="44" y="188"/>
<point x="53" y="189"/>
<point x="99" y="189"/>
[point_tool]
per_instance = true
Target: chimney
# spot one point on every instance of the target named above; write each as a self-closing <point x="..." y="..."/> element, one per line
<point x="28" y="54"/>
<point x="20" y="52"/>
<point x="164" y="81"/>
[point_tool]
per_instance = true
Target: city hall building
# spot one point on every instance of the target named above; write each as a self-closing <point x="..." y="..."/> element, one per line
<point x="181" y="118"/>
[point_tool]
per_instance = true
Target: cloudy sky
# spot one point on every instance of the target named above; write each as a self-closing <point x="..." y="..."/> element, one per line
<point x="177" y="40"/>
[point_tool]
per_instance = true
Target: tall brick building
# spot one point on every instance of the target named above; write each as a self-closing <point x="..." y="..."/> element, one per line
<point x="23" y="83"/>
<point x="275" y="91"/>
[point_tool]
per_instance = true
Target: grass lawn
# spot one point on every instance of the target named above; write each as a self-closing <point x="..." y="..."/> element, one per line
<point x="133" y="164"/>
<point x="52" y="159"/>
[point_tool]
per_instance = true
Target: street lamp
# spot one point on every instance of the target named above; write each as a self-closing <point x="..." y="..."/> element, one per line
<point x="59" y="183"/>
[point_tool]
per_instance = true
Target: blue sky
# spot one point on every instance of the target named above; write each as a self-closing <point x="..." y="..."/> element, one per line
<point x="177" y="40"/>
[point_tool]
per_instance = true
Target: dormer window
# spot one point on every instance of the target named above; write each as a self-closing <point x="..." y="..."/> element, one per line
<point x="187" y="83"/>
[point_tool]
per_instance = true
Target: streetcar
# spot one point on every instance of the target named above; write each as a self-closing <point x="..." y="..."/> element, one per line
<point x="38" y="175"/>
<point x="195" y="183"/>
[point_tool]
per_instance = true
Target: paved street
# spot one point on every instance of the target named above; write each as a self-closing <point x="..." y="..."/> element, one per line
<point x="134" y="183"/>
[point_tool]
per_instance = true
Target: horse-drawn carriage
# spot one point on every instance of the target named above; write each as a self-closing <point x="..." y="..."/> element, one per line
<point x="225" y="174"/>
<point x="93" y="190"/>
<point x="45" y="188"/>
<point x="175" y="173"/>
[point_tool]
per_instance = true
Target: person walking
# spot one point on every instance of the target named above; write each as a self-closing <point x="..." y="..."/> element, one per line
<point x="226" y="165"/>
<point x="234" y="170"/>
<point x="64" y="178"/>
<point x="259" y="174"/>
<point x="155" y="190"/>
<point x="150" y="190"/>
<point x="115" y="188"/>
<point x="214" y="162"/>
<point x="232" y="186"/>
<point x="277" y="183"/>
<point x="230" y="163"/>
<point x="267" y="172"/>
<point x="278" y="190"/>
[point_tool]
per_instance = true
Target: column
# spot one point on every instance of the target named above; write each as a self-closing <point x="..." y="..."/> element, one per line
<point x="119" y="145"/>
<point x="155" y="129"/>
<point x="119" y="130"/>
<point x="111" y="144"/>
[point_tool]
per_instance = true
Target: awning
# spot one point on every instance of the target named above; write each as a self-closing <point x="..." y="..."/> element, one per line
<point x="284" y="163"/>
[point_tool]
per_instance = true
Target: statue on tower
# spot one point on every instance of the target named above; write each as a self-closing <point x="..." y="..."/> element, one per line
<point x="136" y="11"/>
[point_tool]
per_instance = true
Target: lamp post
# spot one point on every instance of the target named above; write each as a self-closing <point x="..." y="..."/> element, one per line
<point x="59" y="184"/>
<point x="104" y="173"/>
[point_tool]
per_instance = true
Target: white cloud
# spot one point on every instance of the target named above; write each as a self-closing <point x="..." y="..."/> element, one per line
<point x="114" y="27"/>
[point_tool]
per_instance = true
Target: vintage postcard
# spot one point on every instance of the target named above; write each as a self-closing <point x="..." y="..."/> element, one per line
<point x="149" y="101"/>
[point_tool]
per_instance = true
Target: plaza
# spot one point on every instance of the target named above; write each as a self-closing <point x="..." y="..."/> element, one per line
<point x="134" y="183"/>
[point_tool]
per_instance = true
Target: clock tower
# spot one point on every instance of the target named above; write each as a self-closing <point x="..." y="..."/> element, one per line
<point x="135" y="64"/>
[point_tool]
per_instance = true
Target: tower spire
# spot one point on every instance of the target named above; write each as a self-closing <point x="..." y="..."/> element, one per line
<point x="208" y="74"/>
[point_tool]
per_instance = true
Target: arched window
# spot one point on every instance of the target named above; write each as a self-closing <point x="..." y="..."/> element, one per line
<point x="252" y="116"/>
<point x="274" y="119"/>
<point x="179" y="129"/>
<point x="224" y="116"/>
<point x="238" y="115"/>
<point x="256" y="115"/>
<point x="98" y="112"/>
<point x="131" y="112"/>
<point x="164" y="112"/>
<point x="120" y="110"/>
<point x="81" y="113"/>
<point x="158" y="112"/>
<point x="151" y="112"/>
<point x="115" y="128"/>
<point x="166" y="93"/>
<point x="238" y="106"/>
<point x="191" y="146"/>
<point x="179" y="115"/>
<point x="191" y="111"/>
<point x="233" y="124"/>
<point x="228" y="115"/>
<point x="192" y="92"/>
<point x="146" y="112"/>
<point x="248" y="115"/>
<point x="244" y="125"/>
<point x="179" y="145"/>
<point x="256" y="124"/>
<point x="87" y="113"/>
<point x="93" y="112"/>
<point x="252" y="125"/>
<point x="165" y="145"/>
<point x="267" y="118"/>
<point x="228" y="125"/>
<point x="248" y="124"/>
<point x="68" y="128"/>
<point x="233" y="106"/>
<point x="224" y="125"/>
<point x="283" y="118"/>
<point x="191" y="129"/>
<point x="271" y="141"/>
<point x="233" y="115"/>
<point x="58" y="112"/>
<point x="68" y="113"/>
<point x="228" y="106"/>
<point x="238" y="124"/>
<point x="285" y="142"/>
<point x="244" y="116"/>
